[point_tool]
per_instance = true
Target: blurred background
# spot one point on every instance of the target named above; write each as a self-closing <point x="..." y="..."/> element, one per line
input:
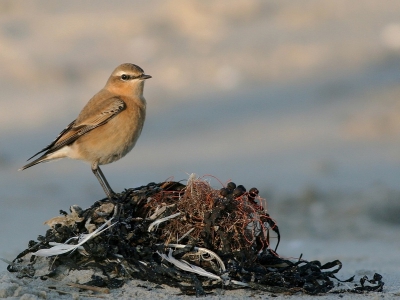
<point x="298" y="98"/>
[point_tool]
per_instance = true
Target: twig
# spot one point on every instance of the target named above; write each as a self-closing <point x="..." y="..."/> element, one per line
<point x="90" y="288"/>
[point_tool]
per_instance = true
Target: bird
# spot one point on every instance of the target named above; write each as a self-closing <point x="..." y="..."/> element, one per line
<point x="107" y="127"/>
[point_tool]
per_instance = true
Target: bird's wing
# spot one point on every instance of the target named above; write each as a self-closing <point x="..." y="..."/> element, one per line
<point x="102" y="114"/>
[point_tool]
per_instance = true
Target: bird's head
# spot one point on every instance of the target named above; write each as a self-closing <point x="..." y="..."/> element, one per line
<point x="127" y="79"/>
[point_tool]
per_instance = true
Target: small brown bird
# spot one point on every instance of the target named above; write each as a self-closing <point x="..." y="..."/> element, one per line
<point x="108" y="126"/>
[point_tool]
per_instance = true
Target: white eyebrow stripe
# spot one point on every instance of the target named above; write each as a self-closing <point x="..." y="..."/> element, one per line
<point x="121" y="73"/>
<point x="131" y="76"/>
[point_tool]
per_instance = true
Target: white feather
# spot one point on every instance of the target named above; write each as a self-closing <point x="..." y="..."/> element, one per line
<point x="159" y="221"/>
<point x="184" y="265"/>
<point x="64" y="248"/>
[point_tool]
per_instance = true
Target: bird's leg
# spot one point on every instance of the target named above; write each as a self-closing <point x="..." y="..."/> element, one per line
<point x="102" y="180"/>
<point x="105" y="181"/>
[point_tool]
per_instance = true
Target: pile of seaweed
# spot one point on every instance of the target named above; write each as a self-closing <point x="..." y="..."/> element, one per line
<point x="188" y="236"/>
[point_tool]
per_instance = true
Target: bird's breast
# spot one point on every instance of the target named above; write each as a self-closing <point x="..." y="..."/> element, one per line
<point x="113" y="140"/>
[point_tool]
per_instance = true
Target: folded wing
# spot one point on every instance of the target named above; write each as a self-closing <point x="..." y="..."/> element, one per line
<point x="79" y="127"/>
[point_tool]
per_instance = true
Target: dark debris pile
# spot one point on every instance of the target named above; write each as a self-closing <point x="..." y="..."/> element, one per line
<point x="188" y="236"/>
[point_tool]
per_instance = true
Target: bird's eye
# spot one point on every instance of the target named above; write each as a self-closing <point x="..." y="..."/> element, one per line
<point x="124" y="77"/>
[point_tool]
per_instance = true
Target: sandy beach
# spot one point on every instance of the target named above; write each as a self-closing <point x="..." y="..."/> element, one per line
<point x="359" y="258"/>
<point x="300" y="100"/>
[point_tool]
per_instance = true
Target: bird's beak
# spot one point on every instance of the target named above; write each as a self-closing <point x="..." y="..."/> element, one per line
<point x="144" y="76"/>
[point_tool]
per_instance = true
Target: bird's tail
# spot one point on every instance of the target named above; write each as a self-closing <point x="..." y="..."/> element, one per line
<point x="35" y="162"/>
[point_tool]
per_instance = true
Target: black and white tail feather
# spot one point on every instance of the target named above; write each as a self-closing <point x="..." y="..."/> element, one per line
<point x="49" y="148"/>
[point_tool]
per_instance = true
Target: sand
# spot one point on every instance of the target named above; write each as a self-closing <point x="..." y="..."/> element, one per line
<point x="359" y="258"/>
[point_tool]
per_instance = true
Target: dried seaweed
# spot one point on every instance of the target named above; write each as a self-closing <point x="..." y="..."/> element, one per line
<point x="188" y="236"/>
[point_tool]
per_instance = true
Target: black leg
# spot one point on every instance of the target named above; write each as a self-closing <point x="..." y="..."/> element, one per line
<point x="102" y="180"/>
